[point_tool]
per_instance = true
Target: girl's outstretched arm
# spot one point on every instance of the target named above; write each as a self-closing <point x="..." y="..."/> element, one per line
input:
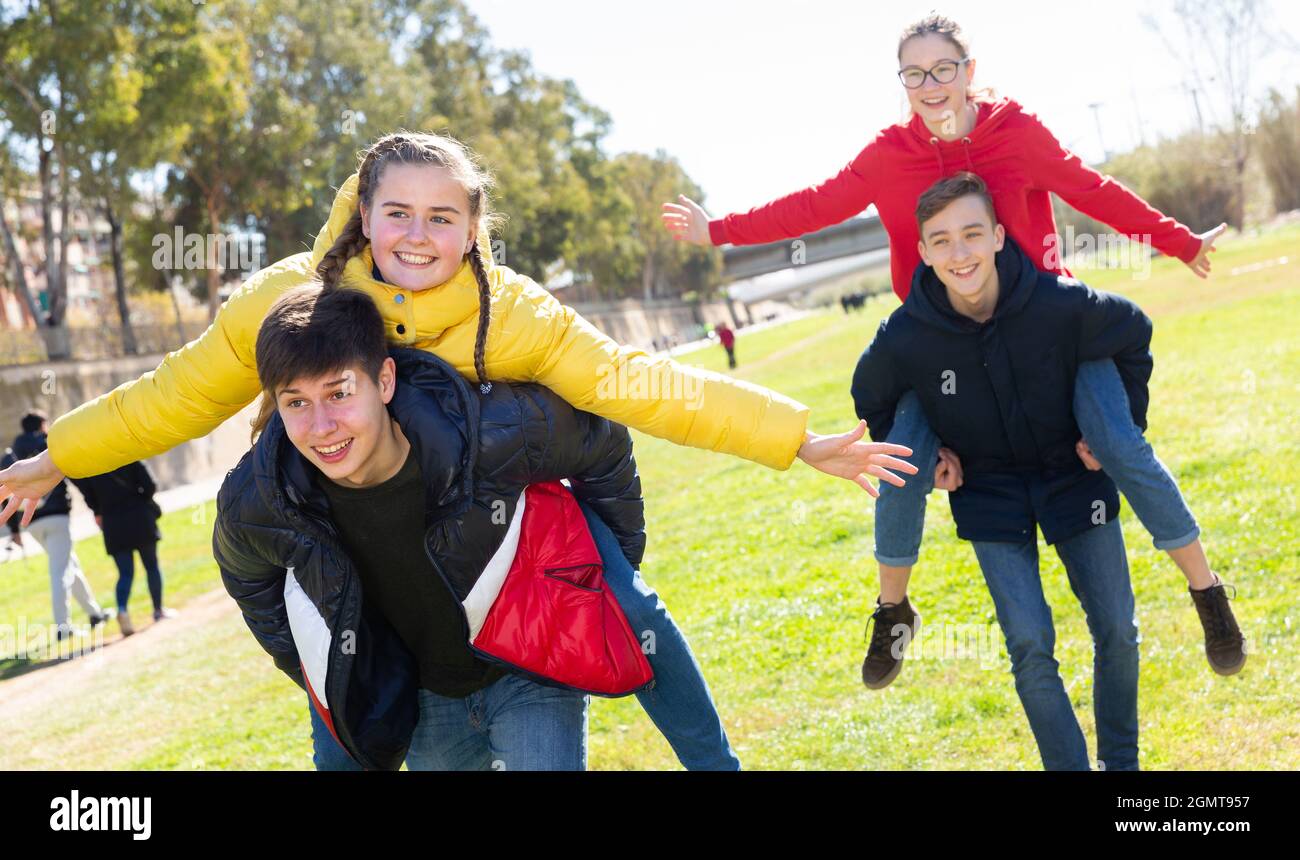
<point x="837" y="199"/>
<point x="189" y="395"/>
<point x="1057" y="169"/>
<point x="662" y="398"/>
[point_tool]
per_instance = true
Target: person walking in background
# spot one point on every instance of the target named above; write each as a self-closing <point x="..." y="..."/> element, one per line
<point x="49" y="526"/>
<point x="127" y="514"/>
<point x="728" y="339"/>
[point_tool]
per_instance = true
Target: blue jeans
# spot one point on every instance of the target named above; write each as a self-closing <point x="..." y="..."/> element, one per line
<point x="512" y="724"/>
<point x="1101" y="409"/>
<point x="126" y="574"/>
<point x="1097" y="568"/>
<point x="679" y="703"/>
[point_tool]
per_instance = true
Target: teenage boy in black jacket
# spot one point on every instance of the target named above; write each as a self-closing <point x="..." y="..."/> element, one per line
<point x="367" y="535"/>
<point x="991" y="347"/>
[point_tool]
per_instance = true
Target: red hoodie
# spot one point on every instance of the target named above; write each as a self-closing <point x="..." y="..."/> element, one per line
<point x="1016" y="156"/>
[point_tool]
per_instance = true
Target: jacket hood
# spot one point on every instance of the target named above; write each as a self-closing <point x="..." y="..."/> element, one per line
<point x="928" y="299"/>
<point x="436" y="309"/>
<point x="439" y="416"/>
<point x="992" y="115"/>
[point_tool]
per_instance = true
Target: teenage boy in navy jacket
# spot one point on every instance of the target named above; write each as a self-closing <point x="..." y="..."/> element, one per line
<point x="991" y="346"/>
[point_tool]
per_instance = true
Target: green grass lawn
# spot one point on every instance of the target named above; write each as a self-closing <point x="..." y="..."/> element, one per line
<point x="770" y="575"/>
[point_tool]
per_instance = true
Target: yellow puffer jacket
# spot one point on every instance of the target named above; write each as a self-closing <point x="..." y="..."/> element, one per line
<point x="532" y="338"/>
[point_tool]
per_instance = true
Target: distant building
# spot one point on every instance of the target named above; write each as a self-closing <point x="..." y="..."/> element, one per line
<point x="89" y="276"/>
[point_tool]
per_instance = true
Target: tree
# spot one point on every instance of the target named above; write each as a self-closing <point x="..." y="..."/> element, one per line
<point x="1217" y="43"/>
<point x="665" y="267"/>
<point x="39" y="98"/>
<point x="1279" y="149"/>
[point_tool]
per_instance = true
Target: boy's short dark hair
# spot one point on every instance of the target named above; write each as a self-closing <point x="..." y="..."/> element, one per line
<point x="309" y="333"/>
<point x="937" y="197"/>
<point x="32" y="421"/>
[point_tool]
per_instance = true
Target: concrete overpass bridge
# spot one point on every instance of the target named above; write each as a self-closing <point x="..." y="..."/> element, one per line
<point x="779" y="269"/>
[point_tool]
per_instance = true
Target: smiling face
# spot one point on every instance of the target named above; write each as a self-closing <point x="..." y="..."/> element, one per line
<point x="339" y="422"/>
<point x="934" y="102"/>
<point x="960" y="242"/>
<point x="419" y="225"/>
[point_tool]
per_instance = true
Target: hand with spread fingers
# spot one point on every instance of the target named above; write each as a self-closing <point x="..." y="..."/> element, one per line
<point x="25" y="483"/>
<point x="845" y="455"/>
<point x="687" y="221"/>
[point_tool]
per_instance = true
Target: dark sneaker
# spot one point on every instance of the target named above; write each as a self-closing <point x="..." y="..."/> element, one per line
<point x="101" y="618"/>
<point x="1225" y="647"/>
<point x="896" y="624"/>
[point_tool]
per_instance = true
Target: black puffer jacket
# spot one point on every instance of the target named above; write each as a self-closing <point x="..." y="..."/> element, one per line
<point x="477" y="454"/>
<point x="124" y="498"/>
<point x="1001" y="393"/>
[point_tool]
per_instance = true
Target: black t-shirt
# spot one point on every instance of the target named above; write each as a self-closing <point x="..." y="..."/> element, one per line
<point x="382" y="528"/>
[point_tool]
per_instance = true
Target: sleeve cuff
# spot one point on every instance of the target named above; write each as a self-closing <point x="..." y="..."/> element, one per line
<point x="718" y="232"/>
<point x="1191" y="248"/>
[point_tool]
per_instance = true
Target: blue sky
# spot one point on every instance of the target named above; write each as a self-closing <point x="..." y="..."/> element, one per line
<point x="760" y="98"/>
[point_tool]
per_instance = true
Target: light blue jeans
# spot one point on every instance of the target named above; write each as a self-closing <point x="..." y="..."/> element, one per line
<point x="1097" y="568"/>
<point x="1101" y="409"/>
<point x="679" y="703"/>
<point x="512" y="724"/>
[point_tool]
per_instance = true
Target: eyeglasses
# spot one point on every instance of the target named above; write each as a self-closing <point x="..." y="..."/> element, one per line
<point x="943" y="72"/>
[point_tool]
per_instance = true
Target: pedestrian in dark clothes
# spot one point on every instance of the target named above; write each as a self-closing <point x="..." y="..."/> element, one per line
<point x="125" y="510"/>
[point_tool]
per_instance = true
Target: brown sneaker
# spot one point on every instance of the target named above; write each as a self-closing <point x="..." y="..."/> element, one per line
<point x="896" y="624"/>
<point x="1225" y="647"/>
<point x="124" y="623"/>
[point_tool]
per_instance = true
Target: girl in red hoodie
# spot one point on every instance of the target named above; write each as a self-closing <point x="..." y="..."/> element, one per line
<point x="952" y="129"/>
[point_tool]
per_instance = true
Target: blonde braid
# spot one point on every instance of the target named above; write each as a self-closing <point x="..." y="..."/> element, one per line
<point x="351" y="241"/>
<point x="352" y="238"/>
<point x="484" y="318"/>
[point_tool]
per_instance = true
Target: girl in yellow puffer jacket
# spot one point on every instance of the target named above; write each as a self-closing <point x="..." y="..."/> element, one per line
<point x="408" y="229"/>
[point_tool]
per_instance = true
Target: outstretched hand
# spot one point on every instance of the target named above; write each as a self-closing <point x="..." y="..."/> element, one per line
<point x="1200" y="265"/>
<point x="846" y="456"/>
<point x="687" y="221"/>
<point x="24" y="484"/>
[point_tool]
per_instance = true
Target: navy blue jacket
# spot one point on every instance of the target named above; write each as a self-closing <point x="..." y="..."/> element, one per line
<point x="58" y="500"/>
<point x="1000" y="394"/>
